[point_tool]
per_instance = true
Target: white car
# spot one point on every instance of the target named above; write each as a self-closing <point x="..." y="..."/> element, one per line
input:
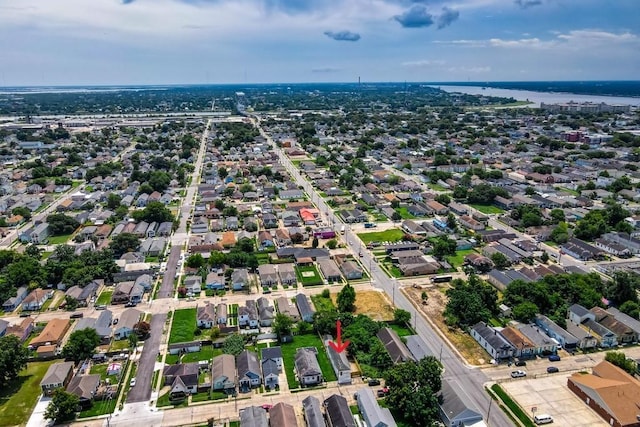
<point x="518" y="374"/>
<point x="132" y="382"/>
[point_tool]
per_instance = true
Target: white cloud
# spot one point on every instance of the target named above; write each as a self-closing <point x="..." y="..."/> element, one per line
<point x="424" y="63"/>
<point x="472" y="70"/>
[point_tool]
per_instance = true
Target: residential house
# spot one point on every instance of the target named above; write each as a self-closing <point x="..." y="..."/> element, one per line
<point x="561" y="335"/>
<point x="127" y="292"/>
<point x="493" y="342"/>
<point x="542" y="342"/>
<point x="265" y="240"/>
<point x="248" y="315"/>
<point x="610" y="392"/>
<point x="287" y="274"/>
<point x="182" y="378"/>
<point x="285" y="307"/>
<point x="83" y="295"/>
<point x="21" y="330"/>
<point x="3" y="327"/>
<point x="265" y="312"/>
<point x="417" y="347"/>
<point x="145" y="280"/>
<point x="85" y="388"/>
<point x="128" y="320"/>
<point x="307" y="367"/>
<point x="394" y="345"/>
<point x="206" y="316"/>
<point x="329" y="269"/>
<point x="101" y="324"/>
<point x="282" y="415"/>
<point x="372" y="413"/>
<point x="454" y="410"/>
<point x="36" y="299"/>
<point x="221" y="314"/>
<point x="249" y="375"/>
<point x="13" y="302"/>
<point x="253" y="416"/>
<point x="223" y="373"/>
<point x="524" y="347"/>
<point x="269" y="220"/>
<point x="304" y="307"/>
<point x="270" y="374"/>
<point x="586" y="320"/>
<point x="240" y="279"/>
<point x="586" y="340"/>
<point x="339" y="362"/>
<point x="52" y="334"/>
<point x="629" y="321"/>
<point x="57" y="376"/>
<point x="351" y="270"/>
<point x="625" y="334"/>
<point x="312" y="412"/>
<point x="215" y="281"/>
<point x="337" y="412"/>
<point x="268" y="275"/>
<point x="272" y="353"/>
<point x="193" y="285"/>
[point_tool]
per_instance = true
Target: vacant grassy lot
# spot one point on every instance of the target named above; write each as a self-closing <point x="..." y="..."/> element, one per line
<point x="308" y="275"/>
<point x="104" y="298"/>
<point x="391" y="235"/>
<point x="100" y="407"/>
<point x="18" y="399"/>
<point x="401" y="330"/>
<point x="184" y="323"/>
<point x="404" y="213"/>
<point x="488" y="209"/>
<point x="322" y="304"/>
<point x="458" y="259"/>
<point x="59" y="240"/>
<point x="289" y="352"/>
<point x="207" y="353"/>
<point x="102" y="370"/>
<point x="372" y="304"/>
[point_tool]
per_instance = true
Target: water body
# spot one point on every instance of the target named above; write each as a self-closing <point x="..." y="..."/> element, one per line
<point x="538" y="97"/>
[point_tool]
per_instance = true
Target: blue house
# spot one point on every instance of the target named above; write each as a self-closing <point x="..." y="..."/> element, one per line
<point x="564" y="338"/>
<point x="306" y="312"/>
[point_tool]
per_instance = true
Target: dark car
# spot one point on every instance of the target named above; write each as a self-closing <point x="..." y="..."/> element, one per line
<point x="76" y="315"/>
<point x="520" y="363"/>
<point x="552" y="370"/>
<point x="23" y="314"/>
<point x="373" y="382"/>
<point x="554" y="358"/>
<point x="380" y="393"/>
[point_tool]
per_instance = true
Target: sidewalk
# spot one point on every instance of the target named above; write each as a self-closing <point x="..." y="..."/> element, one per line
<point x="37" y="416"/>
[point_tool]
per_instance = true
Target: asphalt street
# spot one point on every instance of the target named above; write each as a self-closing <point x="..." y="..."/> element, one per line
<point x="169" y="275"/>
<point x="142" y="390"/>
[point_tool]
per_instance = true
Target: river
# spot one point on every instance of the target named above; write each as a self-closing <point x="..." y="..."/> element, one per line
<point x="537" y="97"/>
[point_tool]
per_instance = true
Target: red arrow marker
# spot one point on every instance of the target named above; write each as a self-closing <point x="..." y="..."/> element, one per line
<point x="339" y="346"/>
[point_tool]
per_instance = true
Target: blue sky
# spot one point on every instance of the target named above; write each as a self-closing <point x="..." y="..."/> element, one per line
<point x="79" y="42"/>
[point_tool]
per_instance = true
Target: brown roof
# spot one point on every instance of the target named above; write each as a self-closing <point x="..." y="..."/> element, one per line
<point x="19" y="329"/>
<point x="283" y="415"/>
<point x="516" y="338"/>
<point x="618" y="391"/>
<point x="228" y="239"/>
<point x="52" y="333"/>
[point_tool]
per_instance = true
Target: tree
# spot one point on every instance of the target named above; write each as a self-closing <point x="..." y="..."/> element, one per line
<point x="413" y="387"/>
<point x="346" y="299"/>
<point x="452" y="224"/>
<point x="113" y="200"/>
<point x="525" y="311"/>
<point x="500" y="260"/>
<point x="619" y="359"/>
<point x="154" y="212"/>
<point x="81" y="344"/>
<point x="560" y="234"/>
<point x="443" y="246"/>
<point x="133" y="340"/>
<point x="22" y="211"/>
<point x="332" y="244"/>
<point x="233" y="344"/>
<point x="314" y="242"/>
<point x="623" y="287"/>
<point x="60" y="224"/>
<point x="142" y="329"/>
<point x="396" y="216"/>
<point x="443" y="199"/>
<point x="195" y="261"/>
<point x="282" y="325"/>
<point x="401" y="316"/>
<point x="557" y="216"/>
<point x="70" y="303"/>
<point x="631" y="308"/>
<point x="544" y="257"/>
<point x="123" y="243"/>
<point x="13" y="358"/>
<point x="33" y="251"/>
<point x="63" y="406"/>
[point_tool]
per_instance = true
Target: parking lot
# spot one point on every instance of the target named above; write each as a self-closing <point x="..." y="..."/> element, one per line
<point x="549" y="394"/>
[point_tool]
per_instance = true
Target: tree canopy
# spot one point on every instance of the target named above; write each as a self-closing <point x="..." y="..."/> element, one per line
<point x="233" y="344"/>
<point x="13" y="358"/>
<point x="346" y="299"/>
<point x="470" y="302"/>
<point x="81" y="344"/>
<point x="63" y="406"/>
<point x="154" y="212"/>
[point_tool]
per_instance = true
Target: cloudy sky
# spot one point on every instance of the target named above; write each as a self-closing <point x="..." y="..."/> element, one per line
<point x="79" y="42"/>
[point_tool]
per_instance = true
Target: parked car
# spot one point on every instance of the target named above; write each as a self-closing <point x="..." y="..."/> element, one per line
<point x="373" y="382"/>
<point x="520" y="363"/>
<point x="25" y="314"/>
<point x="76" y="315"/>
<point x="518" y="374"/>
<point x="115" y="321"/>
<point x="132" y="383"/>
<point x="554" y="358"/>
<point x="101" y="307"/>
<point x="552" y="370"/>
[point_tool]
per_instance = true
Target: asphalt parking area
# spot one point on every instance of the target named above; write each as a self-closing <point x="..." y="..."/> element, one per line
<point x="549" y="394"/>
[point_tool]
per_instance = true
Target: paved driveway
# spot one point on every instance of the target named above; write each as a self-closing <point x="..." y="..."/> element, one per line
<point x="144" y="375"/>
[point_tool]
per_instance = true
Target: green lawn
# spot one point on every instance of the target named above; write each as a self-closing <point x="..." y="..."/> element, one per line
<point x="204" y="396"/>
<point x="308" y="280"/>
<point x="164" y="401"/>
<point x="289" y="352"/>
<point x="488" y="209"/>
<point x="102" y="370"/>
<point x="393" y="270"/>
<point x="46" y="254"/>
<point x="515" y="408"/>
<point x="437" y="187"/>
<point x="104" y="298"/>
<point x="100" y="407"/>
<point x="391" y="235"/>
<point x="207" y="353"/>
<point x="458" y="259"/>
<point x="401" y="330"/>
<point x="379" y="217"/>
<point x="19" y="397"/>
<point x="59" y="240"/>
<point x="404" y="213"/>
<point x="184" y="323"/>
<point x="322" y="304"/>
<point x="117" y="345"/>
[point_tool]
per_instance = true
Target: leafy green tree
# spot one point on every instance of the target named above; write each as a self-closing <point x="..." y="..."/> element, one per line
<point x="233" y="344"/>
<point x="314" y="242"/>
<point x="413" y="387"/>
<point x="61" y="224"/>
<point x="123" y="243"/>
<point x="401" y="316"/>
<point x="443" y="246"/>
<point x="70" y="303"/>
<point x="346" y="299"/>
<point x="525" y="311"/>
<point x="332" y="244"/>
<point x="557" y="216"/>
<point x="500" y="260"/>
<point x="544" y="257"/>
<point x="470" y="302"/>
<point x="63" y="406"/>
<point x="631" y="308"/>
<point x="33" y="251"/>
<point x="113" y="200"/>
<point x="396" y="216"/>
<point x="13" y="358"/>
<point x="81" y="344"/>
<point x="282" y="325"/>
<point x="195" y="261"/>
<point x="623" y="287"/>
<point x="22" y="211"/>
<point x="154" y="212"/>
<point x="452" y="224"/>
<point x="443" y="198"/>
<point x="620" y="359"/>
<point x="560" y="234"/>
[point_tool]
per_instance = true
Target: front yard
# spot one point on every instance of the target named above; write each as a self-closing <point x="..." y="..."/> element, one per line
<point x="488" y="209"/>
<point x="59" y="240"/>
<point x="19" y="397"/>
<point x="308" y="275"/>
<point x="104" y="298"/>
<point x="289" y="352"/>
<point x="184" y="324"/>
<point x="206" y="353"/>
<point x="391" y="235"/>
